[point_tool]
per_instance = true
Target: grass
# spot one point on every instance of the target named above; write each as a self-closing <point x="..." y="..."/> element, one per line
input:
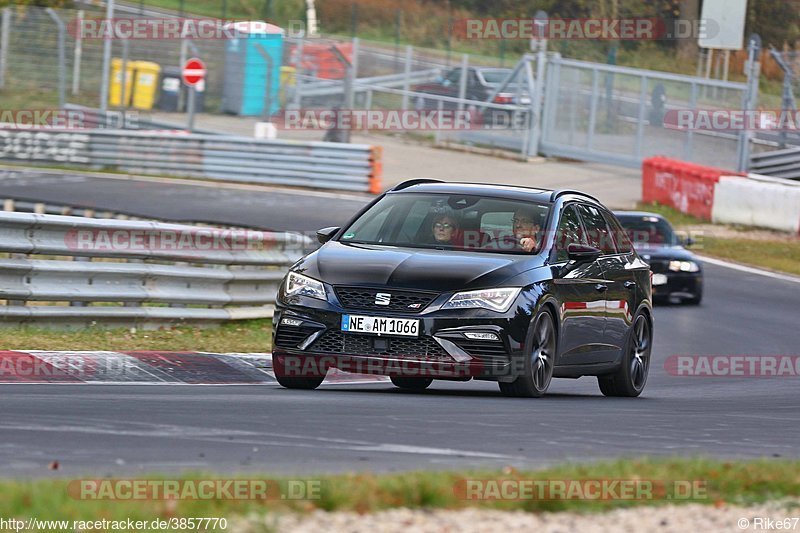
<point x="764" y="249"/>
<point x="240" y="336"/>
<point x="715" y="482"/>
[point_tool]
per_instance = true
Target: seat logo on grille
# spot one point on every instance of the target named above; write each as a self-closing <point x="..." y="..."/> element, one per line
<point x="383" y="298"/>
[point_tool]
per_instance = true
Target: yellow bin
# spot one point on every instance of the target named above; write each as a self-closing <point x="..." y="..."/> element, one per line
<point x="115" y="98"/>
<point x="146" y="84"/>
<point x="288" y="80"/>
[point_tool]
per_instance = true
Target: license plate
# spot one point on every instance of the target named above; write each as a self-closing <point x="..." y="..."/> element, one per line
<point x="376" y="325"/>
<point x="659" y="279"/>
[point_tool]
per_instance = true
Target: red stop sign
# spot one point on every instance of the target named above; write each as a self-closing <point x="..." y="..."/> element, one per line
<point x="194" y="70"/>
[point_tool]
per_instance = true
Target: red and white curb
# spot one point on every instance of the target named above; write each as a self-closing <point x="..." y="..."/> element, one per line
<point x="150" y="367"/>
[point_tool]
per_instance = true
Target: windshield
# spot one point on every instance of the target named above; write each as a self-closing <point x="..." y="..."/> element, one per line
<point x="648" y="231"/>
<point x="451" y="222"/>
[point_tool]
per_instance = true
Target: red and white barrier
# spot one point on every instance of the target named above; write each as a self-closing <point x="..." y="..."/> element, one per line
<point x="720" y="196"/>
<point x="758" y="201"/>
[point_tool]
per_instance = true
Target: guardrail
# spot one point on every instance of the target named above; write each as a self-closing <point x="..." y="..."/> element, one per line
<point x="155" y="273"/>
<point x="323" y="165"/>
<point x="317" y="87"/>
<point x="778" y="163"/>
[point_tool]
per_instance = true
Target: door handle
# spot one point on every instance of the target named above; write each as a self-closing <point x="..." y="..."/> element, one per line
<point x="600" y="287"/>
<point x="629" y="284"/>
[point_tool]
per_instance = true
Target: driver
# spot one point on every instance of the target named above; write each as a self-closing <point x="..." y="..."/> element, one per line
<point x="526" y="230"/>
<point x="445" y="229"/>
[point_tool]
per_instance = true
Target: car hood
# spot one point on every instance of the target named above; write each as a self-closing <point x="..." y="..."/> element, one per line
<point x="678" y="253"/>
<point x="412" y="268"/>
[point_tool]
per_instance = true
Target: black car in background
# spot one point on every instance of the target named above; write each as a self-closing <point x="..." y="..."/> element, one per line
<point x="677" y="272"/>
<point x="465" y="281"/>
<point x="481" y="83"/>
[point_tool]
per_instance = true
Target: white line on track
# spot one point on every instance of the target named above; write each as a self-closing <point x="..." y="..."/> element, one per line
<point x="750" y="270"/>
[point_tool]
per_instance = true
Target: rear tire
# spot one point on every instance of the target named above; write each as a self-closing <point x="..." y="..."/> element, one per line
<point x="411" y="383"/>
<point x="538" y="366"/>
<point x="631" y="377"/>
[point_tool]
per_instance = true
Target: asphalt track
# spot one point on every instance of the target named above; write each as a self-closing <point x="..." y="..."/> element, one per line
<point x="128" y="429"/>
<point x="184" y="201"/>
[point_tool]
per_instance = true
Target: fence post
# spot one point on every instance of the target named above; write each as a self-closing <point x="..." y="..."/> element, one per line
<point x="5" y="28"/>
<point x="106" y="59"/>
<point x="123" y="100"/>
<point x="537" y="97"/>
<point x="76" y="62"/>
<point x="62" y="66"/>
<point x="462" y="82"/>
<point x="750" y="100"/>
<point x="298" y="76"/>
<point x="637" y="150"/>
<point x="407" y="75"/>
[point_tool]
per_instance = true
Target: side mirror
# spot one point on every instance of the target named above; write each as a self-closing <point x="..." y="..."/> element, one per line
<point x="580" y="253"/>
<point x="688" y="241"/>
<point x="325" y="234"/>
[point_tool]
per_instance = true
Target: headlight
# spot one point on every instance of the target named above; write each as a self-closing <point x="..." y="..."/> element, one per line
<point x="499" y="300"/>
<point x="684" y="266"/>
<point x="300" y="285"/>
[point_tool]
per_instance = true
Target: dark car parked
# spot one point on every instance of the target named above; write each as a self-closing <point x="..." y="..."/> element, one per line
<point x="459" y="281"/>
<point x="481" y="83"/>
<point x="677" y="272"/>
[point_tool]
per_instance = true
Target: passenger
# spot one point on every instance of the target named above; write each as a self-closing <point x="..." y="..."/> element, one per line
<point x="526" y="230"/>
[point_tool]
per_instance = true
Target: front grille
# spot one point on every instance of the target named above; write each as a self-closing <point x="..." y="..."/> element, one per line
<point x="364" y="298"/>
<point x="486" y="351"/>
<point x="337" y="342"/>
<point x="291" y="336"/>
<point x="659" y="266"/>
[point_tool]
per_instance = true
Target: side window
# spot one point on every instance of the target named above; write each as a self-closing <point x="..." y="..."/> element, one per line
<point x="569" y="232"/>
<point x="597" y="232"/>
<point x="621" y="238"/>
<point x="453" y="76"/>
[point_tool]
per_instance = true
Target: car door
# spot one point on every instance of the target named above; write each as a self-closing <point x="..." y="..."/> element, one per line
<point x="619" y="285"/>
<point x="623" y="281"/>
<point x="583" y="312"/>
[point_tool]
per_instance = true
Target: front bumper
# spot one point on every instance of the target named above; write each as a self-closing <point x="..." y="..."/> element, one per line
<point x="680" y="284"/>
<point x="442" y="350"/>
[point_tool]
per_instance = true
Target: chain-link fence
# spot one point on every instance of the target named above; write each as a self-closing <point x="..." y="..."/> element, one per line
<point x="572" y="108"/>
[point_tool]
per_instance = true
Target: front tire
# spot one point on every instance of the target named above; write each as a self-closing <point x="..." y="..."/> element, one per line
<point x="411" y="383"/>
<point x="299" y="383"/>
<point x="630" y="379"/>
<point x="286" y="380"/>
<point x="538" y="366"/>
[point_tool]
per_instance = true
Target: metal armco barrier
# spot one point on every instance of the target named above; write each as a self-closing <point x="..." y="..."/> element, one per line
<point x="152" y="271"/>
<point x="778" y="163"/>
<point x="322" y="165"/>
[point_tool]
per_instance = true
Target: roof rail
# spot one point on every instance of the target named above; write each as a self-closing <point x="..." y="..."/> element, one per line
<point x="564" y="192"/>
<point x="408" y="183"/>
